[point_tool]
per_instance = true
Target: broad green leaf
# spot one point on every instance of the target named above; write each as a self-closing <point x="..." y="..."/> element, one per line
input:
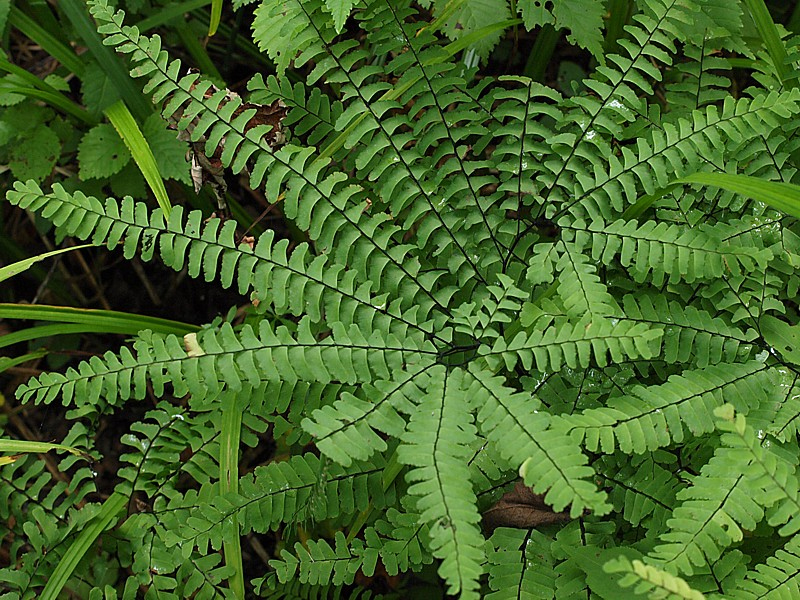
<point x="169" y="151"/>
<point x="36" y="158"/>
<point x="584" y="20"/>
<point x="98" y="91"/>
<point x="101" y="153"/>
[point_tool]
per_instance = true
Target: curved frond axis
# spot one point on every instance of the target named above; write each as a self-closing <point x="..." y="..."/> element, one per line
<point x="228" y="358"/>
<point x="241" y="144"/>
<point x="435" y="94"/>
<point x="312" y="286"/>
<point x="548" y="462"/>
<point x="649" y="38"/>
<point x="436" y="445"/>
<point x="348" y="428"/>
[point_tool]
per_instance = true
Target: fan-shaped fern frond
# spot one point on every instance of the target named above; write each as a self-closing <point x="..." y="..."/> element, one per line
<point x="489" y="281"/>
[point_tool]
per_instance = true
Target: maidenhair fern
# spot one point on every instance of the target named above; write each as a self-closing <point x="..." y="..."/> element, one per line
<point x="496" y="284"/>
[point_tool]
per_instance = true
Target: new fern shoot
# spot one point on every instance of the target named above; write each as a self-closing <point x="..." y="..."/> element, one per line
<point x="473" y="310"/>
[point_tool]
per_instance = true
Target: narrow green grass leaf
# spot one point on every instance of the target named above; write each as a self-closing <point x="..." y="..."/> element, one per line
<point x="199" y="53"/>
<point x="102" y="321"/>
<point x="49" y="43"/>
<point x="108" y="515"/>
<point x="230" y="434"/>
<point x="76" y="12"/>
<point x="41" y="90"/>
<point x="784" y="197"/>
<point x="123" y="121"/>
<point x="55" y="100"/>
<point x="24" y="446"/>
<point x="770" y="36"/>
<point x="167" y="13"/>
<point x="23" y="265"/>
<point x="9" y="362"/>
<point x="216" y="13"/>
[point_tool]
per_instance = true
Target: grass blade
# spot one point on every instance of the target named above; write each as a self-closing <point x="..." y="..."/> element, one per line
<point x="771" y="38"/>
<point x="23" y="265"/>
<point x="216" y="13"/>
<point x="26" y="447"/>
<point x="76" y="12"/>
<point x="8" y="362"/>
<point x="107" y="516"/>
<point x="123" y="121"/>
<point x="230" y="434"/>
<point x="103" y="321"/>
<point x="784" y="197"/>
<point x="51" y="44"/>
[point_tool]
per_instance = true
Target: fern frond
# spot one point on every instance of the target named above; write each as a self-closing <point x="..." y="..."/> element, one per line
<point x="771" y="473"/>
<point x="778" y="577"/>
<point x="298" y="283"/>
<point x="305" y="488"/>
<point x="548" y="462"/>
<point x="312" y="115"/>
<point x="690" y="335"/>
<point x="704" y="76"/>
<point x="353" y="237"/>
<point x="42" y="516"/>
<point x="317" y="562"/>
<point x="228" y="358"/>
<point x="641" y="489"/>
<point x="785" y="425"/>
<point x="712" y="515"/>
<point x="159" y="440"/>
<point x="656" y="416"/>
<point x="674" y="150"/>
<point x="580" y="345"/>
<point x="663" y="251"/>
<point x="437" y="445"/>
<point x="580" y="288"/>
<point x="596" y="117"/>
<point x="350" y="427"/>
<point x="520" y="565"/>
<point x="659" y="584"/>
<point x="400" y="538"/>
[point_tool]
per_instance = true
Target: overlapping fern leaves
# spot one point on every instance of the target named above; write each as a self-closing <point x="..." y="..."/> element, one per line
<point x="474" y="302"/>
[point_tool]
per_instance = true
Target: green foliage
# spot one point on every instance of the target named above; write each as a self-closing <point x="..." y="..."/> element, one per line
<point x="490" y="282"/>
<point x="102" y="153"/>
